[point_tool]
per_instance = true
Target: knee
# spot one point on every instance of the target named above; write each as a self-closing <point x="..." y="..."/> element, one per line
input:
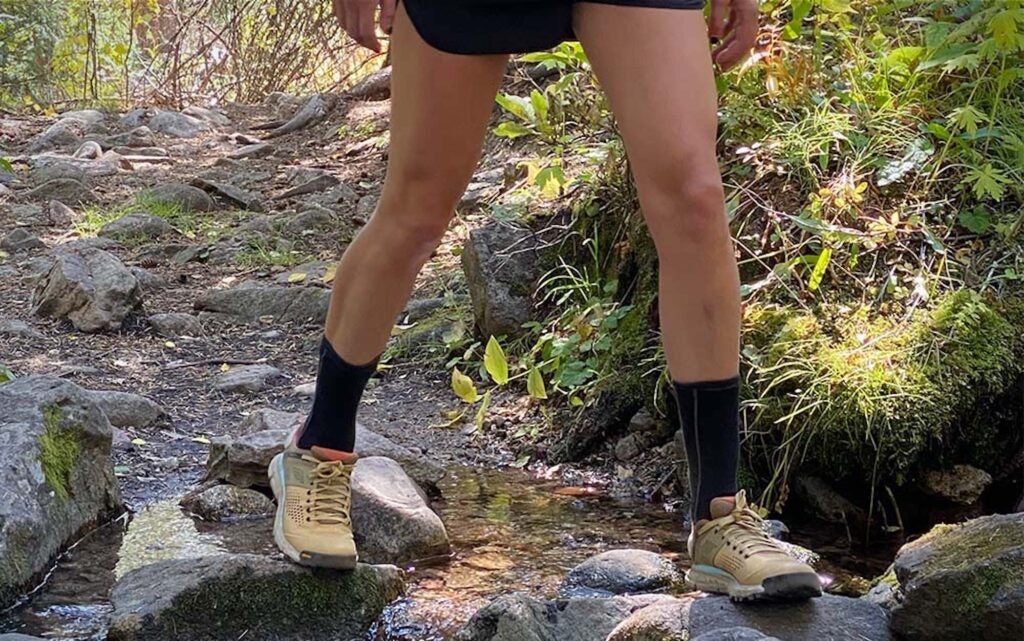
<point x="685" y="206"/>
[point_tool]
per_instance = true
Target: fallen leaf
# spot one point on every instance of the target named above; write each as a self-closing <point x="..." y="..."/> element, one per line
<point x="297" y="277"/>
<point x="201" y="439"/>
<point x="578" y="491"/>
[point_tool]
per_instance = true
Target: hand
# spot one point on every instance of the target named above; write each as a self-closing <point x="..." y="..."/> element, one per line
<point x="356" y="18"/>
<point x="734" y="24"/>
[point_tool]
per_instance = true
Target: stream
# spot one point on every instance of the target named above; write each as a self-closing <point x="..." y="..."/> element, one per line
<point x="510" y="532"/>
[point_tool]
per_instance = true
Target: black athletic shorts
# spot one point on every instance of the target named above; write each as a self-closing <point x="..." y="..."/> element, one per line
<point x="506" y="26"/>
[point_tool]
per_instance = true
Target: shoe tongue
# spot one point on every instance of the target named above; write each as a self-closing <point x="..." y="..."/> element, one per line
<point x="722" y="506"/>
<point x="325" y="454"/>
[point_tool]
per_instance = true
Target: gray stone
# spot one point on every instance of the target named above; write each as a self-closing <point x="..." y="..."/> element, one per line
<point x="60" y="135"/>
<point x="502" y="266"/>
<point x="236" y="196"/>
<point x="251" y="302"/>
<point x="668" y="621"/>
<point x="420" y="309"/>
<point x="148" y="280"/>
<point x="60" y="214"/>
<point x="309" y="221"/>
<point x="89" y="150"/>
<point x="124" y="409"/>
<point x="14" y="636"/>
<point x="622" y="572"/>
<point x="209" y="115"/>
<point x="320" y="183"/>
<point x="173" y="325"/>
<point x="187" y="197"/>
<point x="518" y="617"/>
<point x="20" y="329"/>
<point x="21" y="240"/>
<point x="963" y="582"/>
<point x="228" y="502"/>
<point x="135" y="117"/>
<point x="136" y="226"/>
<point x="84" y="116"/>
<point x="627" y="448"/>
<point x="57" y="474"/>
<point x="138" y="139"/>
<point x="390" y="516"/>
<point x="257" y="150"/>
<point x="246" y="596"/>
<point x="831" y="618"/>
<point x="963" y="484"/>
<point x="89" y="287"/>
<point x="246" y="378"/>
<point x="66" y="190"/>
<point x="823" y="502"/>
<point x="734" y="634"/>
<point x="177" y="125"/>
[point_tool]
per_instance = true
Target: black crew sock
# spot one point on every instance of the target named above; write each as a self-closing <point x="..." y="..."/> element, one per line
<point x="709" y="416"/>
<point x="339" y="387"/>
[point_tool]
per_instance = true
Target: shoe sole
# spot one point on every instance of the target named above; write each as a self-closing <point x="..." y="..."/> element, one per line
<point x="785" y="587"/>
<point x="275" y="472"/>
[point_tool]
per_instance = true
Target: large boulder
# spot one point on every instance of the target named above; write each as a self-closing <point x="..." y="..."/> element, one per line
<point x="90" y="287"/>
<point x="390" y="516"/>
<point x="830" y="617"/>
<point x="518" y="617"/>
<point x="963" y="582"/>
<point x="248" y="596"/>
<point x="57" y="475"/>
<point x="251" y="302"/>
<point x="622" y="572"/>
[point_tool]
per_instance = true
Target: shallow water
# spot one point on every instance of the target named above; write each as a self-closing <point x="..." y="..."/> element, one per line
<point x="510" y="532"/>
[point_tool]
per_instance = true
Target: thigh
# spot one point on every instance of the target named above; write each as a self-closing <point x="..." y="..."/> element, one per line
<point x="440" y="106"/>
<point x="655" y="66"/>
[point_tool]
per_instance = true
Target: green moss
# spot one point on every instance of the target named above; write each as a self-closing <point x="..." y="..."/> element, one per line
<point x="59" y="449"/>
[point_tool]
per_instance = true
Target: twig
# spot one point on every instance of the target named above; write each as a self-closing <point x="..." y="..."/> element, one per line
<point x="215" y="361"/>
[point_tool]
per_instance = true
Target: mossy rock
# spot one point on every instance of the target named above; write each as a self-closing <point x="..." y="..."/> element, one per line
<point x="229" y="596"/>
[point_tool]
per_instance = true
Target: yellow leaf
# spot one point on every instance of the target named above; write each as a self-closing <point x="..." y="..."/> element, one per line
<point x="495" y="362"/>
<point x="138" y="441"/>
<point x="463" y="386"/>
<point x="224" y="367"/>
<point x="201" y="439"/>
<point x="481" y="414"/>
<point x="535" y="384"/>
<point x="328" y="276"/>
<point x="297" y="277"/>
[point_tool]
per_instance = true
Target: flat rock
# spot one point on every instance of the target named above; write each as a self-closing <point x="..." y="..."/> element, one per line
<point x="963" y="582"/>
<point x="667" y="621"/>
<point x="256" y="150"/>
<point x="124" y="409"/>
<point x="621" y="572"/>
<point x="829" y="618"/>
<point x="962" y="484"/>
<point x="227" y="596"/>
<point x="57" y="474"/>
<point x="247" y="378"/>
<point x="187" y="197"/>
<point x="734" y="634"/>
<point x="21" y="240"/>
<point x="90" y="287"/>
<point x="66" y="190"/>
<point x="60" y="135"/>
<point x="250" y="303"/>
<point x="235" y="196"/>
<point x="173" y="325"/>
<point x="18" y="328"/>
<point x="227" y="503"/>
<point x="177" y="125"/>
<point x="320" y="183"/>
<point x="14" y="636"/>
<point x="390" y="516"/>
<point x="136" y="226"/>
<point x="211" y="116"/>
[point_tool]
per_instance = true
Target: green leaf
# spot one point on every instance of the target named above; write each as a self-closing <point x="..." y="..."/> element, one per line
<point x="535" y="384"/>
<point x="967" y="118"/>
<point x="463" y="386"/>
<point x="976" y="220"/>
<point x="519" y="107"/>
<point x="540" y="105"/>
<point x="522" y="461"/>
<point x="6" y="165"/>
<point x="481" y="413"/>
<point x="512" y="129"/>
<point x="800" y="10"/>
<point x="987" y="182"/>
<point x="819" y="268"/>
<point x="6" y="375"/>
<point x="495" y="361"/>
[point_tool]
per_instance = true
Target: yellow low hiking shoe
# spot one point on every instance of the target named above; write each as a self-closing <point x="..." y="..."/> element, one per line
<point x="732" y="555"/>
<point x="313" y="488"/>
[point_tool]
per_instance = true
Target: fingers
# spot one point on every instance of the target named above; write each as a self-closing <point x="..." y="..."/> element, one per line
<point x="387" y="15"/>
<point x="716" y="21"/>
<point x="741" y="34"/>
<point x="358" y="20"/>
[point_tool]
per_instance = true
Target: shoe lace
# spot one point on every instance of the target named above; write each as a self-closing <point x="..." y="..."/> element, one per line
<point x="747" y="530"/>
<point x="331" y="493"/>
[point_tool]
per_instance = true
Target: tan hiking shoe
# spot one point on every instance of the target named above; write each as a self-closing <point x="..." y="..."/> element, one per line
<point x="732" y="555"/>
<point x="313" y="488"/>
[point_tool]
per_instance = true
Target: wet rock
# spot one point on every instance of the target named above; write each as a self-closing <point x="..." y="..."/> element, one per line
<point x="90" y="287"/>
<point x="247" y="378"/>
<point x="228" y="502"/>
<point x="734" y="634"/>
<point x="251" y="302"/>
<point x="829" y="617"/>
<point x="621" y="572"/>
<point x="885" y="593"/>
<point x="963" y="582"/>
<point x="666" y="621"/>
<point x="173" y="325"/>
<point x="216" y="118"/>
<point x="257" y="150"/>
<point x="424" y="471"/>
<point x="519" y="617"/>
<point x="248" y="596"/>
<point x="66" y="190"/>
<point x="390" y="516"/>
<point x="823" y="502"/>
<point x="136" y="226"/>
<point x="187" y="197"/>
<point x="177" y="125"/>
<point x="57" y="474"/>
<point x="124" y="409"/>
<point x="502" y="266"/>
<point x="963" y="484"/>
<point x="775" y="529"/>
<point x="21" y="240"/>
<point x="17" y="328"/>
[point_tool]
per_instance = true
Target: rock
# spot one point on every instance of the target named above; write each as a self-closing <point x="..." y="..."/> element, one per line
<point x="246" y="378"/>
<point x="502" y="266"/>
<point x="228" y="502"/>
<point x="84" y="116"/>
<point x="66" y="190"/>
<point x="963" y="484"/>
<point x="320" y="183"/>
<point x="60" y="214"/>
<point x="173" y="325"/>
<point x="667" y="621"/>
<point x="257" y="150"/>
<point x="420" y="309"/>
<point x="963" y="582"/>
<point x="830" y="617"/>
<point x="365" y="208"/>
<point x="247" y="596"/>
<point x="518" y="617"/>
<point x="234" y="195"/>
<point x="21" y="240"/>
<point x="20" y="329"/>
<point x="823" y="502"/>
<point x="148" y="280"/>
<point x="376" y="86"/>
<point x="57" y="474"/>
<point x="138" y="139"/>
<point x="187" y="197"/>
<point x="124" y="409"/>
<point x="89" y="150"/>
<point x="627" y="448"/>
<point x="135" y="117"/>
<point x="305" y="390"/>
<point x="209" y="115"/>
<point x="390" y="516"/>
<point x="177" y="125"/>
<point x="734" y="634"/>
<point x="46" y="168"/>
<point x="29" y="215"/>
<point x="13" y="636"/>
<point x="136" y="226"/>
<point x="621" y="572"/>
<point x="309" y="221"/>
<point x="89" y="287"/>
<point x="283" y="304"/>
<point x="424" y="471"/>
<point x="60" y="135"/>
<point x="775" y="529"/>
